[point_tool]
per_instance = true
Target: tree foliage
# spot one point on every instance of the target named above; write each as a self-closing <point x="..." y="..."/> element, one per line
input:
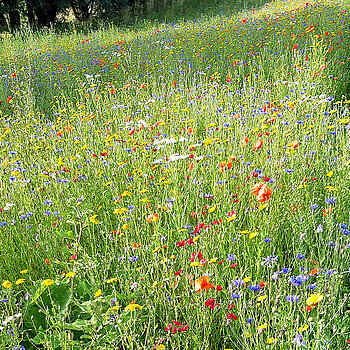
<point x="44" y="13"/>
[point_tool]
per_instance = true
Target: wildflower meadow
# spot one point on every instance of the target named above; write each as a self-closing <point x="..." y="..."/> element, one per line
<point x="180" y="184"/>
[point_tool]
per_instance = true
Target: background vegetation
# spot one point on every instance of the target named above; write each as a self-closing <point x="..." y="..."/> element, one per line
<point x="179" y="184"/>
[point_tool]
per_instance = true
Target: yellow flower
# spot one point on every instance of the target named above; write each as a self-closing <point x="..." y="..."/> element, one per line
<point x="330" y="174"/>
<point x="263" y="326"/>
<point x="247" y="279"/>
<point x="93" y="219"/>
<point x="7" y="284"/>
<point x="314" y="299"/>
<point x="19" y="281"/>
<point x="23" y="272"/>
<point x="120" y="211"/>
<point x="303" y="328"/>
<point x="47" y="283"/>
<point x="70" y="274"/>
<point x="212" y="260"/>
<point x="252" y="235"/>
<point x="114" y="308"/>
<point x="111" y="280"/>
<point x="262" y="297"/>
<point x="133" y="307"/>
<point x="125" y="227"/>
<point x="271" y="340"/>
<point x="212" y="209"/>
<point x="98" y="293"/>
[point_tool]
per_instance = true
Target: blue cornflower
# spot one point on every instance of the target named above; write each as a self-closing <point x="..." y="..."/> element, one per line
<point x="299" y="280"/>
<point x="285" y="270"/>
<point x="238" y="282"/>
<point x="231" y="257"/>
<point x="314" y="206"/>
<point x="235" y="296"/>
<point x="331" y="244"/>
<point x="254" y="287"/>
<point x="301" y="256"/>
<point x="344" y="231"/>
<point x="292" y="298"/>
<point x="298" y="340"/>
<point x="330" y="200"/>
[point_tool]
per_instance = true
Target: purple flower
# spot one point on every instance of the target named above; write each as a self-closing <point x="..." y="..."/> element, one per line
<point x="292" y="298"/>
<point x="254" y="287"/>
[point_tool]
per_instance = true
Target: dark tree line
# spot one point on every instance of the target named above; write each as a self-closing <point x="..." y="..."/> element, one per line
<point x="43" y="13"/>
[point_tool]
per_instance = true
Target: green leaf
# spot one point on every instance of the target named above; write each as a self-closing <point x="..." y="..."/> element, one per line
<point x="69" y="234"/>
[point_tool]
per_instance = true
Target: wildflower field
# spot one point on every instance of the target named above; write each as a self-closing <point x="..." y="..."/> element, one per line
<point x="178" y="185"/>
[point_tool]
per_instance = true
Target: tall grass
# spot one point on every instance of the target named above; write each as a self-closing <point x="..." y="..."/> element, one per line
<point x="128" y="158"/>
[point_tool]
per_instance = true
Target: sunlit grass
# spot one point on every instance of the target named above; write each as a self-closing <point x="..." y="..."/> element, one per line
<point x="128" y="159"/>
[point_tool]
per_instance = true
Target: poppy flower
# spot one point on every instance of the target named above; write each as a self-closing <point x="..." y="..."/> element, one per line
<point x="69" y="127"/>
<point x="153" y="217"/>
<point x="211" y="303"/>
<point x="256" y="188"/>
<point x="245" y="141"/>
<point x="184" y="328"/>
<point x="314" y="271"/>
<point x="258" y="145"/>
<point x="203" y="283"/>
<point x="231" y="316"/>
<point x="264" y="194"/>
<point x="131" y="131"/>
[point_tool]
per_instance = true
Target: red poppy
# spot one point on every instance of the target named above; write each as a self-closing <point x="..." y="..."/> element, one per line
<point x="178" y="273"/>
<point x="131" y="131"/>
<point x="256" y="188"/>
<point x="231" y="316"/>
<point x="258" y="145"/>
<point x="264" y="194"/>
<point x="211" y="303"/>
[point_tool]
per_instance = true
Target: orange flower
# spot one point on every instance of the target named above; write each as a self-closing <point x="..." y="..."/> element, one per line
<point x="256" y="188"/>
<point x="190" y="166"/>
<point x="245" y="141"/>
<point x="294" y="144"/>
<point x="69" y="127"/>
<point x="264" y="194"/>
<point x="258" y="145"/>
<point x="131" y="131"/>
<point x="153" y="217"/>
<point x="314" y="271"/>
<point x="203" y="283"/>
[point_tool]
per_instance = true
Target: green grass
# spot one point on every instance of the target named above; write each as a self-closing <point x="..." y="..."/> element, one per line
<point x="120" y="146"/>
